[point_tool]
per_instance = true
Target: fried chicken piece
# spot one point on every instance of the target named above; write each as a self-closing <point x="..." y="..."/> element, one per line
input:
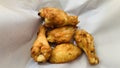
<point x="41" y="49"/>
<point x="61" y="34"/>
<point x="85" y="41"/>
<point x="63" y="53"/>
<point x="55" y="17"/>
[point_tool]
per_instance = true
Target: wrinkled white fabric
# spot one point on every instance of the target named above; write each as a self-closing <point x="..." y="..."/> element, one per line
<point x="19" y="23"/>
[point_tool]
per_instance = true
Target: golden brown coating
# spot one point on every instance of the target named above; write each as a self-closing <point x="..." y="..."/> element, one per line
<point x="85" y="41"/>
<point x="40" y="50"/>
<point x="65" y="53"/>
<point x="61" y="34"/>
<point x="55" y="17"/>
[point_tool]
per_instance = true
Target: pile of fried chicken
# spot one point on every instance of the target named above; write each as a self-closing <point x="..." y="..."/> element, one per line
<point x="59" y="29"/>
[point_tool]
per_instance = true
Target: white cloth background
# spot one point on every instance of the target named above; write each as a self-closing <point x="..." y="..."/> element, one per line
<point x="19" y="22"/>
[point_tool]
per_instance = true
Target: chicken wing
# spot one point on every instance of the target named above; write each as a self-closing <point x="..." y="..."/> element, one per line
<point x="61" y="34"/>
<point x="63" y="53"/>
<point x="85" y="41"/>
<point x="55" y="17"/>
<point x="40" y="50"/>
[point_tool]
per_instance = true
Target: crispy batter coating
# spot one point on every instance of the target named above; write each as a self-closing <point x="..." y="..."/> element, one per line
<point x="55" y="17"/>
<point x="61" y="34"/>
<point x="85" y="41"/>
<point x="40" y="50"/>
<point x="65" y="53"/>
<point x="62" y="31"/>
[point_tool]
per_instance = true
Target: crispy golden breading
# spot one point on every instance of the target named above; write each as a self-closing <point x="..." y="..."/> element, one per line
<point x="55" y="17"/>
<point x="61" y="34"/>
<point x="85" y="41"/>
<point x="65" y="53"/>
<point x="40" y="50"/>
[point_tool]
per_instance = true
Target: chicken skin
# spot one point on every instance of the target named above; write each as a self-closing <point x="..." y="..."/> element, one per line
<point x="56" y="37"/>
<point x="61" y="34"/>
<point x="55" y="17"/>
<point x="85" y="41"/>
<point x="41" y="49"/>
<point x="65" y="52"/>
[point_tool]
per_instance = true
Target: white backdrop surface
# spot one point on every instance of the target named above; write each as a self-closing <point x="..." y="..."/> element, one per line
<point x="19" y="22"/>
